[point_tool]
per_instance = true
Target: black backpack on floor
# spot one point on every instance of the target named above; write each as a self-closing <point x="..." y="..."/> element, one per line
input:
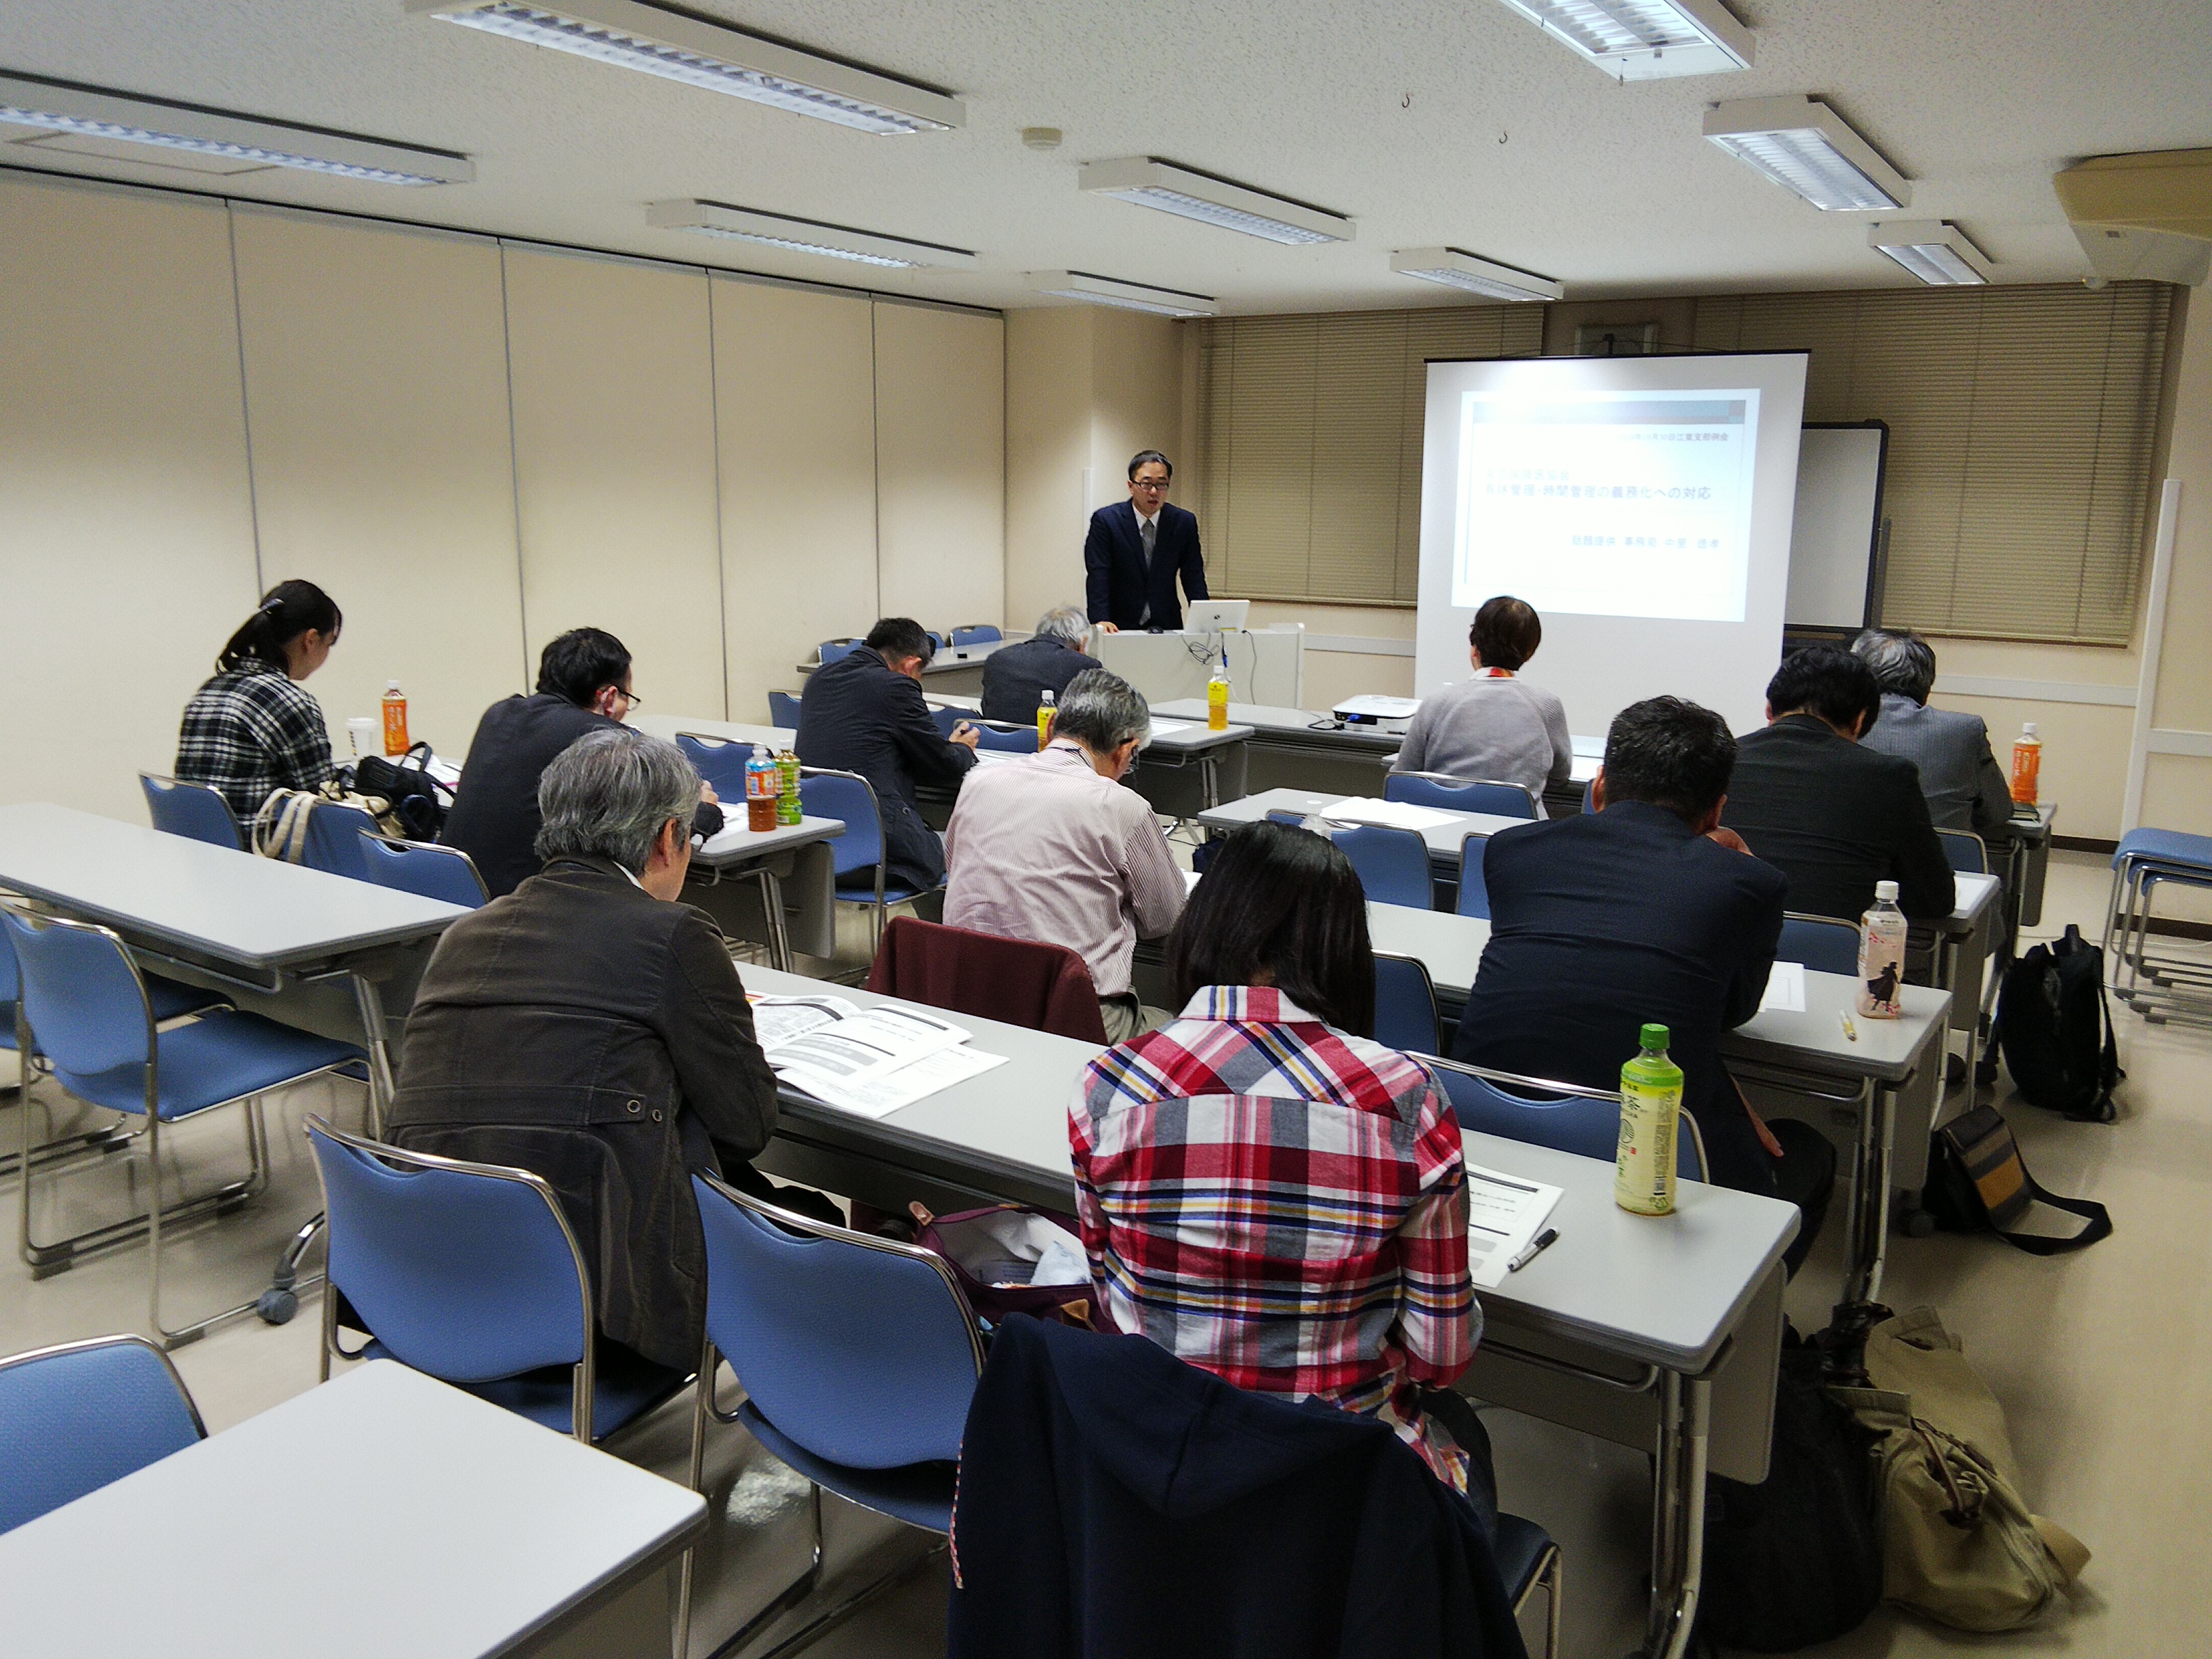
<point x="1795" y="1559"/>
<point x="2056" y="1034"/>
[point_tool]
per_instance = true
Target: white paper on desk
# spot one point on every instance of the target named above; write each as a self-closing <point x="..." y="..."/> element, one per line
<point x="1393" y="814"/>
<point x="1168" y="728"/>
<point x="1190" y="878"/>
<point x="885" y="1092"/>
<point x="1503" y="1212"/>
<point x="1785" y="989"/>
<point x="779" y="1019"/>
<point x="443" y="770"/>
<point x="863" y="1043"/>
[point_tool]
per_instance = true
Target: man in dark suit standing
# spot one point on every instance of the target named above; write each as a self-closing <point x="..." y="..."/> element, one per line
<point x="1135" y="550"/>
<point x="863" y="713"/>
<point x="1833" y="815"/>
<point x="1643" y="909"/>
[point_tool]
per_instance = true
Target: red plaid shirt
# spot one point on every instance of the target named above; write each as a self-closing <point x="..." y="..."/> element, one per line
<point x="1283" y="1205"/>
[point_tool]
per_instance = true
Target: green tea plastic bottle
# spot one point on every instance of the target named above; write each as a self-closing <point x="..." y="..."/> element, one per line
<point x="1650" y="1117"/>
<point x="787" y="803"/>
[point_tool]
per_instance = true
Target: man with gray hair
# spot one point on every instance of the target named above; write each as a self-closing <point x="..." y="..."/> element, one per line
<point x="590" y="1029"/>
<point x="1017" y="677"/>
<point x="1050" y="847"/>
<point x="1964" y="786"/>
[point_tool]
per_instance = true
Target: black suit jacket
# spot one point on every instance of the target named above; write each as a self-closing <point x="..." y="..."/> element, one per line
<point x="1017" y="677"/>
<point x="583" y="1029"/>
<point x="495" y="818"/>
<point x="1836" y="816"/>
<point x="1115" y="583"/>
<point x="858" y="715"/>
<point x="1603" y="921"/>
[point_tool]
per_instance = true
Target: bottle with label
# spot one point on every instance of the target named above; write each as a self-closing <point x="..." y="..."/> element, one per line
<point x="2027" y="765"/>
<point x="1045" y="711"/>
<point x="1650" y="1118"/>
<point x="762" y="783"/>
<point x="395" y="719"/>
<point x="1216" y="694"/>
<point x="1882" y="956"/>
<point x="787" y="803"/>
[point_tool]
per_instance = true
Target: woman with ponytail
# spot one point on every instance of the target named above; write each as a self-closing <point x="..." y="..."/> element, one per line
<point x="254" y="728"/>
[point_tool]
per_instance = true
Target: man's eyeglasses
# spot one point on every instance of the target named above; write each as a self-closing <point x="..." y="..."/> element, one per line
<point x="1151" y="486"/>
<point x="630" y="697"/>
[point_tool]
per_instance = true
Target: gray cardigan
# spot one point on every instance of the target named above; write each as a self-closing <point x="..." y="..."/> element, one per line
<point x="1490" y="727"/>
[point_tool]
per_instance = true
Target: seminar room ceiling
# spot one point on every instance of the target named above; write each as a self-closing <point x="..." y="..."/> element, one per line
<point x="1427" y="124"/>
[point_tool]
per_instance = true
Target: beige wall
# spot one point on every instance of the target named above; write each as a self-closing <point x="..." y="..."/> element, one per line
<point x="472" y="445"/>
<point x="2177" y="788"/>
<point x="1086" y="387"/>
<point x="126" y="520"/>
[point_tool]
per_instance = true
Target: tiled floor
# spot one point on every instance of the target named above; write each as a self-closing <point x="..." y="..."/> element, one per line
<point x="2101" y="1358"/>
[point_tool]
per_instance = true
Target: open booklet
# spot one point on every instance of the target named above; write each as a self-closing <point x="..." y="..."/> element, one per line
<point x="871" y="1060"/>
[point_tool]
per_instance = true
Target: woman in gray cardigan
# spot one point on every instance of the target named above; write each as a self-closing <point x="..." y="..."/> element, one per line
<point x="1496" y="725"/>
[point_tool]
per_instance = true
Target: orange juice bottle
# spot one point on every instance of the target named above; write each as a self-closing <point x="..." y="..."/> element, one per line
<point x="395" y="719"/>
<point x="1216" y="694"/>
<point x="2027" y="765"/>
<point x="1045" y="711"/>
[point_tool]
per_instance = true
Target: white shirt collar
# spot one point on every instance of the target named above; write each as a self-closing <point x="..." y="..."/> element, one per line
<point x="1143" y="519"/>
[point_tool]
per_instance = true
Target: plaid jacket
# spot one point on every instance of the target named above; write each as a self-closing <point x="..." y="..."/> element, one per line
<point x="1283" y="1205"/>
<point x="249" y="730"/>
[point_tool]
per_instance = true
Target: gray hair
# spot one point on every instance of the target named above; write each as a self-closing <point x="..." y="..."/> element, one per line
<point x="1101" y="711"/>
<point x="607" y="795"/>
<point x="1901" y="662"/>
<point x="1064" y="623"/>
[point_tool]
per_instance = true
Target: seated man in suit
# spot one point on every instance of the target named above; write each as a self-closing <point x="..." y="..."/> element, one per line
<point x="1965" y="787"/>
<point x="587" y="1027"/>
<point x="863" y="713"/>
<point x="583" y="685"/>
<point x="1051" y="847"/>
<point x="1136" y="549"/>
<point x="1833" y="815"/>
<point x="1016" y="677"/>
<point x="1643" y="909"/>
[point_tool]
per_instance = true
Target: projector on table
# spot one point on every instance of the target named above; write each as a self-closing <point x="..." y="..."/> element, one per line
<point x="1373" y="711"/>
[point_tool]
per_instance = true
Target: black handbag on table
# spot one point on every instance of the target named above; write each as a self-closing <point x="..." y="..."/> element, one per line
<point x="418" y="800"/>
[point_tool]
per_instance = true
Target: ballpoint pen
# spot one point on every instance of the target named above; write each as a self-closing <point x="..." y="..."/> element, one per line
<point x="1539" y="1242"/>
<point x="1850" y="1029"/>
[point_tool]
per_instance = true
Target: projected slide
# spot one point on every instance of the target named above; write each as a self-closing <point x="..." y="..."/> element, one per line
<point x="1608" y="503"/>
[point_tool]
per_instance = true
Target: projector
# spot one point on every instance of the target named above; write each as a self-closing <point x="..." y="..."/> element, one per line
<point x="1373" y="711"/>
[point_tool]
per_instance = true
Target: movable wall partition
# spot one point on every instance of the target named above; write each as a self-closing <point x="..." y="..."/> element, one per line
<point x="473" y="445"/>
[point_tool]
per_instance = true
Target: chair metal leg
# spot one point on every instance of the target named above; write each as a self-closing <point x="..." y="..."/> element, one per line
<point x="784" y="1600"/>
<point x="819" y="1626"/>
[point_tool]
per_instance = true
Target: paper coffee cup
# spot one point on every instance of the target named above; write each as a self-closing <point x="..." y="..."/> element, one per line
<point x="361" y="731"/>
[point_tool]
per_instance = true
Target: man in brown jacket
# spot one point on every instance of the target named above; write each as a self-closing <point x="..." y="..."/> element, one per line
<point x="588" y="1029"/>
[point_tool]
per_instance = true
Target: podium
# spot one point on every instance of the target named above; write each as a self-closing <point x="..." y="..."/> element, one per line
<point x="1264" y="666"/>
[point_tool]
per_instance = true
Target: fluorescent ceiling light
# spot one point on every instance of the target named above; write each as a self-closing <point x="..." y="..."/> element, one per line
<point x="805" y="236"/>
<point x="683" y="48"/>
<point x="1213" y="201"/>
<point x="1805" y="148"/>
<point x="1934" y="250"/>
<point x="1453" y="269"/>
<point x="1123" y="296"/>
<point x="1646" y="40"/>
<point x="65" y="107"/>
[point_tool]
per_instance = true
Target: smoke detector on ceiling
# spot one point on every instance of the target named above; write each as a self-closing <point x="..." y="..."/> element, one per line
<point x="1042" y="138"/>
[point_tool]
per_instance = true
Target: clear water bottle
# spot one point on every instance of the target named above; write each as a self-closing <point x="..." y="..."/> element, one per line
<point x="1882" y="956"/>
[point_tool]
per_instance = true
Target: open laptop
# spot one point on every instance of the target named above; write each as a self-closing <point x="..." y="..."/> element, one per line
<point x="1216" y="616"/>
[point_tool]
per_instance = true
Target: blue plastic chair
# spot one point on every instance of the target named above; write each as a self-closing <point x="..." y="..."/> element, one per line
<point x="1967" y="852"/>
<point x="471" y="1273"/>
<point x="859" y="1358"/>
<point x="191" y="810"/>
<point x="1405" y="1005"/>
<point x="945" y="719"/>
<point x="1474" y="895"/>
<point x="975" y="634"/>
<point x="783" y="710"/>
<point x="937" y="641"/>
<point x="1824" y="944"/>
<point x="2161" y="986"/>
<point x="1450" y="794"/>
<point x="831" y="651"/>
<point x="1014" y="740"/>
<point x="423" y="868"/>
<point x="91" y="1016"/>
<point x="334" y="840"/>
<point x="858" y="854"/>
<point x="1393" y="864"/>
<point x="1561" y="1115"/>
<point x="76" y="1417"/>
<point x="720" y="762"/>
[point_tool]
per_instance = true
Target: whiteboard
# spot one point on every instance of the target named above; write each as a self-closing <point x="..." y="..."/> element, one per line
<point x="1836" y="527"/>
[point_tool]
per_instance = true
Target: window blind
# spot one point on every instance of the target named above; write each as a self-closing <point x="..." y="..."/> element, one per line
<point x="2023" y="422"/>
<point x="1310" y="445"/>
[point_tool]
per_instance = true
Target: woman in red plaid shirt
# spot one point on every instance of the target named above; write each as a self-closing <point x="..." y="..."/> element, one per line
<point x="1265" y="1192"/>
